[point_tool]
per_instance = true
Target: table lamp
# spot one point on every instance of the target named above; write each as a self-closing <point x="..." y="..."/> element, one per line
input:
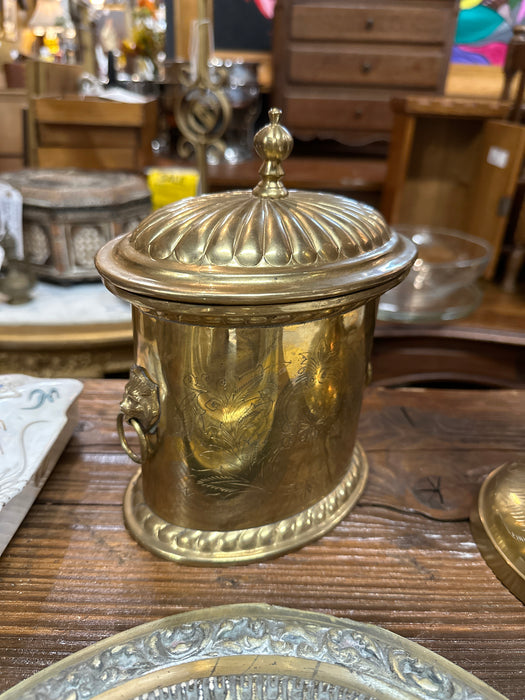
<point x="49" y="20"/>
<point x="8" y="20"/>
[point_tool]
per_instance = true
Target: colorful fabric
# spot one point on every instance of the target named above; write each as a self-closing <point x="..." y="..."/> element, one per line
<point x="484" y="30"/>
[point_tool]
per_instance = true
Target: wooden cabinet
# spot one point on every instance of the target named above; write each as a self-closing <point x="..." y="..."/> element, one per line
<point x="454" y="163"/>
<point x="13" y="104"/>
<point x="337" y="63"/>
<point x="88" y="132"/>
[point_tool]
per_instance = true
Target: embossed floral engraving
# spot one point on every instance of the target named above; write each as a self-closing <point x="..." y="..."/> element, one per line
<point x="229" y="405"/>
<point x="256" y="436"/>
<point x="369" y="662"/>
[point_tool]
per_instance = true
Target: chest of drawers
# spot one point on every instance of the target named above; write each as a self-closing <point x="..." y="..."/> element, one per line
<point x="337" y="63"/>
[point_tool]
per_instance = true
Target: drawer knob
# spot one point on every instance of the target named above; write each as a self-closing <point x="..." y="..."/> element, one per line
<point x="358" y="113"/>
<point x="369" y="24"/>
<point x="366" y="67"/>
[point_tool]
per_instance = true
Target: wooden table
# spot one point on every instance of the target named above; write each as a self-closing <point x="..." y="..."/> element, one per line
<point x="403" y="559"/>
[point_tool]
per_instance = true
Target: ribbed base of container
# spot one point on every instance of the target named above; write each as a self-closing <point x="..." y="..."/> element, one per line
<point x="217" y="548"/>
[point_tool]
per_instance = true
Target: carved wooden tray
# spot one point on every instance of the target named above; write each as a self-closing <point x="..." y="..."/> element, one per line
<point x="254" y="651"/>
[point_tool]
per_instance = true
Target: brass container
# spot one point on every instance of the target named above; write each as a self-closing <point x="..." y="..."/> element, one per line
<point x="253" y="314"/>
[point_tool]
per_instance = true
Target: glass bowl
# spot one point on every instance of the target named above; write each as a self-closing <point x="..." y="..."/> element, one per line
<point x="444" y="283"/>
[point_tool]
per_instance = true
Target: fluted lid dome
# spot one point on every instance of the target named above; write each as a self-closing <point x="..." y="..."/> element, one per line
<point x="257" y="247"/>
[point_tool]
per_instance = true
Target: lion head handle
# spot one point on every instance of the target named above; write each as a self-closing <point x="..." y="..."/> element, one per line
<point x="141" y="399"/>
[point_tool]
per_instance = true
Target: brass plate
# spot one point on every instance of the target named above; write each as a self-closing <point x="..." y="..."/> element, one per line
<point x="254" y="651"/>
<point x="498" y="525"/>
<point x="251" y="544"/>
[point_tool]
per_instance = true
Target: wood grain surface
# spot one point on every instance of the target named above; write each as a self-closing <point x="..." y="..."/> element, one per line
<point x="403" y="559"/>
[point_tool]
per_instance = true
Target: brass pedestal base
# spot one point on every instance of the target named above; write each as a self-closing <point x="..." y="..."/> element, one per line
<point x="207" y="547"/>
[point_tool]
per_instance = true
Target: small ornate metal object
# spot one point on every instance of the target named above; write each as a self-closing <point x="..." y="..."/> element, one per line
<point x="498" y="525"/>
<point x="253" y="314"/>
<point x="202" y="109"/>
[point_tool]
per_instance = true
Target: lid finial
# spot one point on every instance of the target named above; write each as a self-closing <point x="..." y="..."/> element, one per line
<point x="273" y="144"/>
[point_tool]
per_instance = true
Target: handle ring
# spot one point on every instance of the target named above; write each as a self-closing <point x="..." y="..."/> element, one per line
<point x="144" y="447"/>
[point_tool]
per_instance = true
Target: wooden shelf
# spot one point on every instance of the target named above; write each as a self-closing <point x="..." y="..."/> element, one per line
<point x="331" y="174"/>
<point x="485" y="349"/>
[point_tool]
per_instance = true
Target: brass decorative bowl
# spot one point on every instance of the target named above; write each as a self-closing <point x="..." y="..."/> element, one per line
<point x="253" y="315"/>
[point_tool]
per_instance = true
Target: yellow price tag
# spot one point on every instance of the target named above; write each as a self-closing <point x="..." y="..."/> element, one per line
<point x="168" y="185"/>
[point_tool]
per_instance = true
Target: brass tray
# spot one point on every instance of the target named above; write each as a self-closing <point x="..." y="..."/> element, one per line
<point x="497" y="522"/>
<point x="251" y="652"/>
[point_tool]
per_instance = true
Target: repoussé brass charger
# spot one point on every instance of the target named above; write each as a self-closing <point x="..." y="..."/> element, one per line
<point x="498" y="525"/>
<point x="254" y="651"/>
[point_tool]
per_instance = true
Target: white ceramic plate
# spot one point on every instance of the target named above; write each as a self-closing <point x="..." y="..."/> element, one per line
<point x="37" y="418"/>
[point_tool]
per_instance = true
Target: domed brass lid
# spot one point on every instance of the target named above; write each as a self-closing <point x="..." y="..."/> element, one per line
<point x="258" y="247"/>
